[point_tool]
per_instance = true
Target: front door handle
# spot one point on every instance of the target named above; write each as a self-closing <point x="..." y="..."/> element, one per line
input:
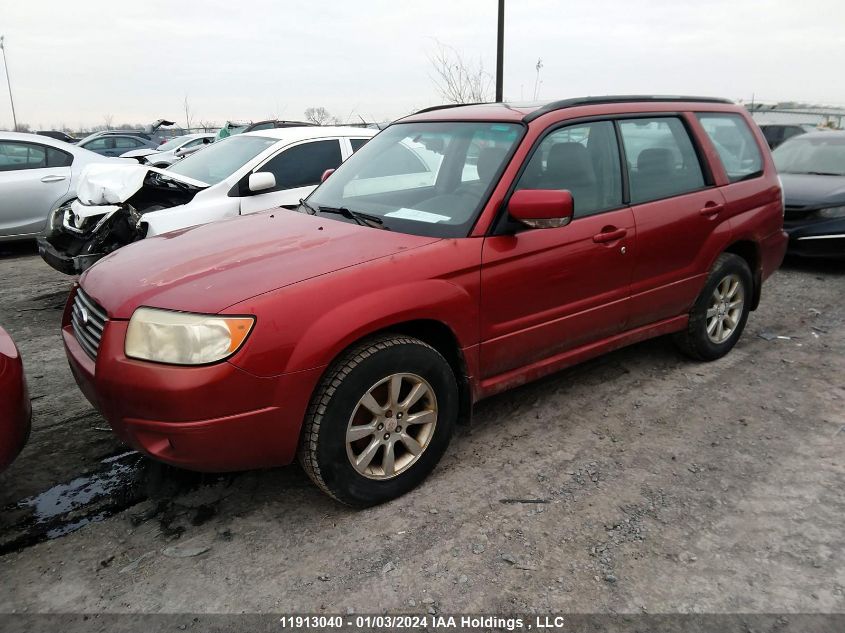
<point x="712" y="209"/>
<point x="610" y="234"/>
<point x="52" y="178"/>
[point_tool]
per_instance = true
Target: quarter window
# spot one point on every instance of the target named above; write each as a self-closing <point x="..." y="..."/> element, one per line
<point x="583" y="159"/>
<point x="358" y="143"/>
<point x="303" y="165"/>
<point x="660" y="157"/>
<point x="735" y="144"/>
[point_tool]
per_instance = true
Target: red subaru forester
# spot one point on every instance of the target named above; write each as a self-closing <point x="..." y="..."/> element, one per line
<point x="462" y="251"/>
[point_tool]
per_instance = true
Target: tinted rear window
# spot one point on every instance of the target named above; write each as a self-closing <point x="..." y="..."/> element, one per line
<point x="735" y="144"/>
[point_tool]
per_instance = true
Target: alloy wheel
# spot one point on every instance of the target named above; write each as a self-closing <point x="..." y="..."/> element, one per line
<point x="725" y="309"/>
<point x="391" y="426"/>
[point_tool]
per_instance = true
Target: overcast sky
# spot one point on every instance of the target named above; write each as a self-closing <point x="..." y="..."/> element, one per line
<point x="73" y="63"/>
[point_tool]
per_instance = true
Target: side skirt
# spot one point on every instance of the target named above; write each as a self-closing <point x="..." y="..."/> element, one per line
<point x="528" y="373"/>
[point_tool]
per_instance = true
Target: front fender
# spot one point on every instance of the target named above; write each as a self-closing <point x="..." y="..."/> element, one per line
<point x="431" y="299"/>
<point x="287" y="341"/>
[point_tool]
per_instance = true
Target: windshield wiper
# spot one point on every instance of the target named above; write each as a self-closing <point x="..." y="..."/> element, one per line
<point x="822" y="173"/>
<point x="364" y="219"/>
<point x="308" y="207"/>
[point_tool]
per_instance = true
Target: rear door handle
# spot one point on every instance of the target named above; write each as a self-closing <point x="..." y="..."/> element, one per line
<point x="712" y="208"/>
<point x="610" y="235"/>
<point x="52" y="178"/>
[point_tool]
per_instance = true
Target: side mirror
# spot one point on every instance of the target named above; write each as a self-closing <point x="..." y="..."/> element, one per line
<point x="326" y="174"/>
<point x="261" y="181"/>
<point x="542" y="208"/>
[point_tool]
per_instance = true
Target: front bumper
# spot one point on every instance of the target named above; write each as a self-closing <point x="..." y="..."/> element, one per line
<point x="817" y="238"/>
<point x="15" y="411"/>
<point x="65" y="263"/>
<point x="210" y="418"/>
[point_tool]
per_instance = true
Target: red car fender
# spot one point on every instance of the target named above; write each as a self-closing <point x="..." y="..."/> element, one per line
<point x="431" y="299"/>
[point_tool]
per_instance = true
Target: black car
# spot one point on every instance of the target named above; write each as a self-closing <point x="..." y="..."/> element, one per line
<point x="59" y="136"/>
<point x="812" y="170"/>
<point x="777" y="133"/>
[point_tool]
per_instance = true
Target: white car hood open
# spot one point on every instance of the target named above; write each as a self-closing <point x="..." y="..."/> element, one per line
<point x="102" y="183"/>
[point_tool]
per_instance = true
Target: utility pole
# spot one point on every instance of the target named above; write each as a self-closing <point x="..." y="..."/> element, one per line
<point x="500" y="51"/>
<point x="9" y="83"/>
<point x="537" y="80"/>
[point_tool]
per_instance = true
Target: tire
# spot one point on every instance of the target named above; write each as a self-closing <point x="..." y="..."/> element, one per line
<point x="702" y="340"/>
<point x="337" y="416"/>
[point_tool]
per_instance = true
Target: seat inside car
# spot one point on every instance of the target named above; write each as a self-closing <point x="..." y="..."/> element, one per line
<point x="568" y="166"/>
<point x="655" y="168"/>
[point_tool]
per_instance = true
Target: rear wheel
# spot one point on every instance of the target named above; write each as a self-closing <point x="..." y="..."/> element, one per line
<point x="718" y="317"/>
<point x="380" y="420"/>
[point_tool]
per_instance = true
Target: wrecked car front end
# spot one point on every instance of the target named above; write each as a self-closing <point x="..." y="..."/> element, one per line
<point x="108" y="213"/>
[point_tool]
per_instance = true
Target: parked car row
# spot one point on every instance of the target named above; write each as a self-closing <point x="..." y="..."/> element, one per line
<point x="243" y="174"/>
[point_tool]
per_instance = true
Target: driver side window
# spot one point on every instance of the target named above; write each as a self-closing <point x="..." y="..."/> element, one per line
<point x="303" y="165"/>
<point x="583" y="159"/>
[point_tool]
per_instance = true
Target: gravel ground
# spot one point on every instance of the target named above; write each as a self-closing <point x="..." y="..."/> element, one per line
<point x="638" y="482"/>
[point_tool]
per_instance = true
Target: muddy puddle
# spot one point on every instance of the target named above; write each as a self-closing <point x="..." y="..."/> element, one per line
<point x="122" y="481"/>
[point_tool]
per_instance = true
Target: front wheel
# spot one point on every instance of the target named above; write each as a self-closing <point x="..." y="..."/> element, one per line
<point x="380" y="420"/>
<point x="721" y="310"/>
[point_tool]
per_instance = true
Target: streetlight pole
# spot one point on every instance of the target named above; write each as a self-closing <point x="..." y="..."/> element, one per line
<point x="9" y="83"/>
<point x="500" y="51"/>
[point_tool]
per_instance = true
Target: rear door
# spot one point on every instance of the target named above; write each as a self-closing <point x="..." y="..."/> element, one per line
<point x="676" y="208"/>
<point x="298" y="169"/>
<point x="547" y="291"/>
<point x="33" y="178"/>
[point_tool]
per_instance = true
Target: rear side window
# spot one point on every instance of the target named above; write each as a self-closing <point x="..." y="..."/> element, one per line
<point x="661" y="158"/>
<point x="303" y="165"/>
<point x="583" y="159"/>
<point x="735" y="144"/>
<point x="15" y="156"/>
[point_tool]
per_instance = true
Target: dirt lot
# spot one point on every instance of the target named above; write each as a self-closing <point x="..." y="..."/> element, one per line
<point x="659" y="485"/>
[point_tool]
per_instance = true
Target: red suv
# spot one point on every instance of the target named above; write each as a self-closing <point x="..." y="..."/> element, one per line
<point x="462" y="251"/>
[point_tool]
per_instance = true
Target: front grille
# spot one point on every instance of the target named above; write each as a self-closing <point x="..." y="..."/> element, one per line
<point x="88" y="320"/>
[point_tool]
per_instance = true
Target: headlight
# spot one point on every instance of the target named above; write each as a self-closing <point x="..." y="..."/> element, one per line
<point x="833" y="212"/>
<point x="182" y="338"/>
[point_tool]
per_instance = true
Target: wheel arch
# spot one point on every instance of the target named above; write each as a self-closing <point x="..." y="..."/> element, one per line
<point x="749" y="250"/>
<point x="438" y="335"/>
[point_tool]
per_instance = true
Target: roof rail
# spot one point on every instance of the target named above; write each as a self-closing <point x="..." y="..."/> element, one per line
<point x="446" y="106"/>
<point x="579" y="101"/>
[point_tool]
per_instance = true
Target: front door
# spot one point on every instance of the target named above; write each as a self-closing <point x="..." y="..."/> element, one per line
<point x="546" y="291"/>
<point x="297" y="170"/>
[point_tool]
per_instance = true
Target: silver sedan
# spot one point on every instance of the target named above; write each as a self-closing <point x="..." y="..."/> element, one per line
<point x="37" y="174"/>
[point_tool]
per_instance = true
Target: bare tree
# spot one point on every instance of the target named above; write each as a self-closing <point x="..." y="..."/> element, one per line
<point x="318" y="115"/>
<point x="188" y="114"/>
<point x="108" y="118"/>
<point x="457" y="80"/>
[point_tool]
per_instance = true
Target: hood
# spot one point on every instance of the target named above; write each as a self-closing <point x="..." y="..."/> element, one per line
<point x="210" y="267"/>
<point x="109" y="183"/>
<point x="808" y="190"/>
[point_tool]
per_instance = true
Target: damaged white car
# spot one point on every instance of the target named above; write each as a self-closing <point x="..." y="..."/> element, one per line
<point x="247" y="173"/>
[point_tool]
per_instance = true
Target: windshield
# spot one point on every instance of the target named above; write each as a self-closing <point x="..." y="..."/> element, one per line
<point x="174" y="143"/>
<point x="817" y="155"/>
<point x="220" y="160"/>
<point x="422" y="178"/>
